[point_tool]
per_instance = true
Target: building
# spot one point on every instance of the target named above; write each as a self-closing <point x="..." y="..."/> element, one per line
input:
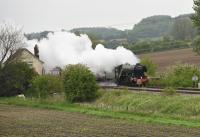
<point x="25" y="55"/>
<point x="56" y="71"/>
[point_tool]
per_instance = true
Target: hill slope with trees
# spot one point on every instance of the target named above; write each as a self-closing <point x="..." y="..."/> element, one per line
<point x="155" y="33"/>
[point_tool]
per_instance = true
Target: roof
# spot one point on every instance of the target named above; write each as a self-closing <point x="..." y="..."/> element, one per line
<point x="19" y="52"/>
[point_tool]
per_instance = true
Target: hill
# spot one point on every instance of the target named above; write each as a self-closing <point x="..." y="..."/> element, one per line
<point x="151" y="27"/>
<point x="155" y="33"/>
<point x="102" y="33"/>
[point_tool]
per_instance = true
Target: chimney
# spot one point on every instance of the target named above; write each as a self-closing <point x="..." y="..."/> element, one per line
<point x="36" y="51"/>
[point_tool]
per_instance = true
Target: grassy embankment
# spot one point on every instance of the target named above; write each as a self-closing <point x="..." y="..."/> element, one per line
<point x="141" y="107"/>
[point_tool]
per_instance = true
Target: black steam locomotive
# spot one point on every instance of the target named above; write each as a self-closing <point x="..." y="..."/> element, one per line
<point x="129" y="75"/>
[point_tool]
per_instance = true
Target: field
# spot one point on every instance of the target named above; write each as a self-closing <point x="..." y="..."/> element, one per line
<point x="115" y="113"/>
<point x="24" y="121"/>
<point x="168" y="58"/>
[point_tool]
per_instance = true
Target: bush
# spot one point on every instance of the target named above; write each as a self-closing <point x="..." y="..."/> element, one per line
<point x="180" y="75"/>
<point x="79" y="83"/>
<point x="15" y="78"/>
<point x="43" y="86"/>
<point x="151" y="66"/>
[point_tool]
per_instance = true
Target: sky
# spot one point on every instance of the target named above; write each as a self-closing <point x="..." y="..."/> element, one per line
<point x="40" y="15"/>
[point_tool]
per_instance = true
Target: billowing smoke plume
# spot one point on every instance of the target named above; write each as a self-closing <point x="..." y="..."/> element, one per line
<point x="63" y="48"/>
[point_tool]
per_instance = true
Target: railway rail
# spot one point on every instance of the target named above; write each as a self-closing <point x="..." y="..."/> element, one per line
<point x="192" y="91"/>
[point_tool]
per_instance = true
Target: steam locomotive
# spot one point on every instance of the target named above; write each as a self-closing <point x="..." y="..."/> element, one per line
<point x="126" y="75"/>
<point x="129" y="75"/>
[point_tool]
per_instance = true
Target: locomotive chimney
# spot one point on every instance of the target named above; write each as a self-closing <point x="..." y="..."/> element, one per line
<point x="36" y="51"/>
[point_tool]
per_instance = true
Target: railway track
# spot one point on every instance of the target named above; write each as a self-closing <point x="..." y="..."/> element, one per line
<point x="193" y="91"/>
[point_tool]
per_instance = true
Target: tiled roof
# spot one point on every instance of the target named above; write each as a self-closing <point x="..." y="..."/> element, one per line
<point x="19" y="52"/>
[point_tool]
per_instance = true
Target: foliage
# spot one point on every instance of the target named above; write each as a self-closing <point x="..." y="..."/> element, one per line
<point x="195" y="17"/>
<point x="39" y="36"/>
<point x="151" y="66"/>
<point x="11" y="39"/>
<point x="43" y="86"/>
<point x="95" y="40"/>
<point x="180" y="75"/>
<point x="151" y="27"/>
<point x="196" y="45"/>
<point x="79" y="83"/>
<point x="183" y="29"/>
<point x="196" y="21"/>
<point x="158" y="45"/>
<point x="15" y="78"/>
<point x="146" y="36"/>
<point x="102" y="33"/>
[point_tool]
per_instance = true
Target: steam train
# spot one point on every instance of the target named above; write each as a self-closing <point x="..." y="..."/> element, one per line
<point x="129" y="75"/>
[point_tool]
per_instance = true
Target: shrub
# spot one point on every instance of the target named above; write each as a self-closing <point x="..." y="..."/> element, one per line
<point x="151" y="66"/>
<point x="15" y="78"/>
<point x="180" y="75"/>
<point x="43" y="86"/>
<point x="79" y="83"/>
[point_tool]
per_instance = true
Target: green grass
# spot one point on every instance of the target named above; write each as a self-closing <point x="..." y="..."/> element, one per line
<point x="184" y="106"/>
<point x="139" y="107"/>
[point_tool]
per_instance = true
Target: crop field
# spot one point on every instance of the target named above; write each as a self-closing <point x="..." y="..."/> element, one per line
<point x="19" y="121"/>
<point x="168" y="58"/>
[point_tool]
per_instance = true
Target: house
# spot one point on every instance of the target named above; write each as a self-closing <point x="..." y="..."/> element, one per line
<point x="32" y="60"/>
<point x="56" y="71"/>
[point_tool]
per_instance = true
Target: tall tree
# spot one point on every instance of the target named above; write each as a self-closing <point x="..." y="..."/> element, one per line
<point x="11" y="39"/>
<point x="196" y="16"/>
<point x="196" y="20"/>
<point x="183" y="29"/>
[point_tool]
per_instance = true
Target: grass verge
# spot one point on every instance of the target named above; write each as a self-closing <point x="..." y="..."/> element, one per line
<point x="142" y="114"/>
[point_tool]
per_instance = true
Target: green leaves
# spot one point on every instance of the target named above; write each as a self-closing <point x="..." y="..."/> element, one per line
<point x="15" y="78"/>
<point x="79" y="83"/>
<point x="43" y="86"/>
<point x="180" y="75"/>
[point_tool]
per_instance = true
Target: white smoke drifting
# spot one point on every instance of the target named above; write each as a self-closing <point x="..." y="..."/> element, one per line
<point x="63" y="48"/>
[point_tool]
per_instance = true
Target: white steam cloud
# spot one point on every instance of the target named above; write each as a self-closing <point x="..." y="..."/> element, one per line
<point x="63" y="48"/>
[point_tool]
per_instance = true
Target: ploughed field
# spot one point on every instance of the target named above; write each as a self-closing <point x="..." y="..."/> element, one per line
<point x="24" y="121"/>
<point x="167" y="58"/>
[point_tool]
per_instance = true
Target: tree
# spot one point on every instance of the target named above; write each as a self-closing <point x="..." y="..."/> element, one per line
<point x="15" y="78"/>
<point x="195" y="45"/>
<point x="196" y="16"/>
<point x="11" y="39"/>
<point x="196" y="20"/>
<point x="95" y="41"/>
<point x="183" y="29"/>
<point x="44" y="85"/>
<point x="79" y="83"/>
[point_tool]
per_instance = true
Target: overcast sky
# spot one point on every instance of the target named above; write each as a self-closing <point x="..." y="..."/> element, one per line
<point x="39" y="15"/>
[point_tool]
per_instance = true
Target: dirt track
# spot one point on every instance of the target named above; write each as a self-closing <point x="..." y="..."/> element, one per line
<point x="29" y="122"/>
<point x="168" y="58"/>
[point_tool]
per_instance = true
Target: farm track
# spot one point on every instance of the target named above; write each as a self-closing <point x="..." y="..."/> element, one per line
<point x="192" y="91"/>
